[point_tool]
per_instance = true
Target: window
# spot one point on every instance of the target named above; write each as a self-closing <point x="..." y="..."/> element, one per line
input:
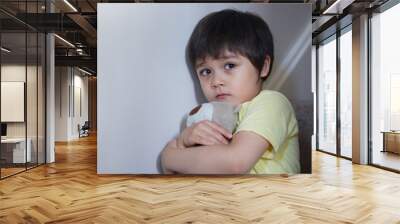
<point x="346" y="93"/>
<point x="22" y="77"/>
<point x="385" y="88"/>
<point x="327" y="96"/>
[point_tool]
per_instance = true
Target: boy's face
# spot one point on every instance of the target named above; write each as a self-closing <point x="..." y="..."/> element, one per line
<point x="230" y="78"/>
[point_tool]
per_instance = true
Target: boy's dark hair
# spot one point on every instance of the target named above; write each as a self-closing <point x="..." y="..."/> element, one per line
<point x="238" y="32"/>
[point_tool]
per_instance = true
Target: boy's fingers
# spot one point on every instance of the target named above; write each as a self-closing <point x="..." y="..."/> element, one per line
<point x="220" y="129"/>
<point x="219" y="139"/>
<point x="207" y="140"/>
<point x="210" y="137"/>
<point x="205" y="133"/>
<point x="212" y="133"/>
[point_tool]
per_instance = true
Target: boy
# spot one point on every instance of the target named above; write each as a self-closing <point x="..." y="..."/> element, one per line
<point x="232" y="54"/>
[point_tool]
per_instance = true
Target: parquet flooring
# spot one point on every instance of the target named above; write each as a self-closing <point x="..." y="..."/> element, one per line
<point x="70" y="191"/>
<point x="10" y="171"/>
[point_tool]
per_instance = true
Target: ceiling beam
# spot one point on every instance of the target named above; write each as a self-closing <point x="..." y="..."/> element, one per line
<point x="85" y="25"/>
<point x="337" y="7"/>
<point x="85" y="61"/>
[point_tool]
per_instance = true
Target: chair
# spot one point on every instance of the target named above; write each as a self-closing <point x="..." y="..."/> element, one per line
<point x="84" y="130"/>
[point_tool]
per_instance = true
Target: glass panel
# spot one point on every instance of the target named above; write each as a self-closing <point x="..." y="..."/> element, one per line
<point x="22" y="87"/>
<point x="327" y="96"/>
<point x="313" y="86"/>
<point x="31" y="100"/>
<point x="385" y="86"/>
<point x="32" y="86"/>
<point x="41" y="98"/>
<point x="13" y="87"/>
<point x="346" y="94"/>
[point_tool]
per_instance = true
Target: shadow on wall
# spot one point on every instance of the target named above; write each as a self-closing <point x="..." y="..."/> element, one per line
<point x="199" y="100"/>
<point x="303" y="112"/>
<point x="182" y="126"/>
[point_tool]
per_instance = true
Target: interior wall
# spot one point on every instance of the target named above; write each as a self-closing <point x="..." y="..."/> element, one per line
<point x="70" y="109"/>
<point x="61" y="103"/>
<point x="80" y="109"/>
<point x="92" y="97"/>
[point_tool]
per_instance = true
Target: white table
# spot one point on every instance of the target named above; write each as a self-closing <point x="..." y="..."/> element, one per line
<point x="19" y="149"/>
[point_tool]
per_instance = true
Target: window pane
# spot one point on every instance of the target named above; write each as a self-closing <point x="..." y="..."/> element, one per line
<point x="346" y="94"/>
<point x="41" y="98"/>
<point x="385" y="84"/>
<point x="31" y="101"/>
<point x="327" y="97"/>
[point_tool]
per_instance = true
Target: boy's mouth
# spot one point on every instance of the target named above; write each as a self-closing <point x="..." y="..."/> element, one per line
<point x="222" y="96"/>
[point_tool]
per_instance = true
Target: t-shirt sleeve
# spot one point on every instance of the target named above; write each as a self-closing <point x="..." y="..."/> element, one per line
<point x="268" y="115"/>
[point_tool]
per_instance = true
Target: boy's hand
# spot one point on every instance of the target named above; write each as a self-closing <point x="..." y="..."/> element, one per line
<point x="203" y="133"/>
<point x="170" y="145"/>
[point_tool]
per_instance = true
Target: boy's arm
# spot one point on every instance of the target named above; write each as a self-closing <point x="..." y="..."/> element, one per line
<point x="237" y="157"/>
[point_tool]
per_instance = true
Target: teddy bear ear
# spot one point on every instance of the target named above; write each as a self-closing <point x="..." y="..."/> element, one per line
<point x="195" y="110"/>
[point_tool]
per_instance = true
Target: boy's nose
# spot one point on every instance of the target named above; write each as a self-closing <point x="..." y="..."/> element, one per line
<point x="217" y="81"/>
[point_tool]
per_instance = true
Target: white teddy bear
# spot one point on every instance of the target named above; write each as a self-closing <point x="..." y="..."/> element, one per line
<point x="224" y="114"/>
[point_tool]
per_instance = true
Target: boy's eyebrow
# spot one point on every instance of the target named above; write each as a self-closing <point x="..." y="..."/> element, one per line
<point x="227" y="56"/>
<point x="200" y="64"/>
<point x="224" y="56"/>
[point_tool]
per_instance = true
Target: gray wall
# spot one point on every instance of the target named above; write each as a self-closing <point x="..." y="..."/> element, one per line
<point x="144" y="85"/>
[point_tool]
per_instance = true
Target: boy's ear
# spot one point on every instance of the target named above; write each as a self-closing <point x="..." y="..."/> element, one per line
<point x="266" y="67"/>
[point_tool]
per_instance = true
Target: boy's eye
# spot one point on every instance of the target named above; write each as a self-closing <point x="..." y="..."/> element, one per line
<point x="204" y="72"/>
<point x="229" y="66"/>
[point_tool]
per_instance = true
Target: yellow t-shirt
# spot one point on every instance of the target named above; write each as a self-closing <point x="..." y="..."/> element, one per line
<point x="271" y="116"/>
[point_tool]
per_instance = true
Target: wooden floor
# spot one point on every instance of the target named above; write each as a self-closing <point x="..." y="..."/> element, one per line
<point x="387" y="159"/>
<point x="70" y="191"/>
<point x="10" y="171"/>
